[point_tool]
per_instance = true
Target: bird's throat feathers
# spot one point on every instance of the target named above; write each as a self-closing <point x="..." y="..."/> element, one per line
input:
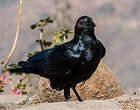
<point x="87" y="37"/>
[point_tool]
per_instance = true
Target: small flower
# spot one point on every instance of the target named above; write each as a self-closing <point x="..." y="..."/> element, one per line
<point x="3" y="78"/>
<point x="0" y="77"/>
<point x="19" y="92"/>
<point x="16" y="91"/>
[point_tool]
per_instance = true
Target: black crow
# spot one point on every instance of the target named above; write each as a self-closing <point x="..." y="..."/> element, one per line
<point x="70" y="63"/>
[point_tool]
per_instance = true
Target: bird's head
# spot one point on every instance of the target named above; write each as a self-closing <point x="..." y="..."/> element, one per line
<point x="84" y="25"/>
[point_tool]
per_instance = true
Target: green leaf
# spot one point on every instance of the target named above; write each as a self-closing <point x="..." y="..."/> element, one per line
<point x="13" y="65"/>
<point x="39" y="25"/>
<point x="1" y="90"/>
<point x="21" y="87"/>
<point x="2" y="62"/>
<point x="32" y="53"/>
<point x="24" y="92"/>
<point x="60" y="35"/>
<point x="33" y="26"/>
<point x="48" y="44"/>
<point x="38" y="41"/>
<point x="43" y="24"/>
<point x="48" y="20"/>
<point x="42" y="20"/>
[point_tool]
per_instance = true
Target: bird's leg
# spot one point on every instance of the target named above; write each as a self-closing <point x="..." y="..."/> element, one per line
<point x="76" y="93"/>
<point x="67" y="93"/>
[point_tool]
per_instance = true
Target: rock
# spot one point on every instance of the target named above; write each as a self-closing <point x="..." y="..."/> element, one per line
<point x="124" y="102"/>
<point x="12" y="98"/>
<point x="8" y="106"/>
<point x="33" y="84"/>
<point x="7" y="87"/>
<point x="89" y="105"/>
<point x="133" y="91"/>
<point x="103" y="84"/>
<point x="129" y="102"/>
<point x="9" y="102"/>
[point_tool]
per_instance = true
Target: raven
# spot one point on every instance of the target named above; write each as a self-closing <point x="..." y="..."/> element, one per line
<point x="70" y="63"/>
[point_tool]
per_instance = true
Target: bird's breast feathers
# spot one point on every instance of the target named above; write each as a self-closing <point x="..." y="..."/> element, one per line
<point x="88" y="55"/>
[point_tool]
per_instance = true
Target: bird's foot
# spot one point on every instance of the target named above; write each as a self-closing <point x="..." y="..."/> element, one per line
<point x="77" y="95"/>
<point x="80" y="99"/>
<point x="68" y="100"/>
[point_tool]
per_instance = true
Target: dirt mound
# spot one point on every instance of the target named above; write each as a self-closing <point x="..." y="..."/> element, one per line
<point x="103" y="84"/>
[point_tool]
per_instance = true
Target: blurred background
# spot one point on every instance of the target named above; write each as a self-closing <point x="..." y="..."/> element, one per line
<point x="117" y="26"/>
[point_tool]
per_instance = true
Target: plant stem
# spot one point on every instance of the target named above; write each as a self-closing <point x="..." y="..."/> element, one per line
<point x="20" y="80"/>
<point x="16" y="39"/>
<point x="27" y="82"/>
<point x="41" y="39"/>
<point x="65" y="40"/>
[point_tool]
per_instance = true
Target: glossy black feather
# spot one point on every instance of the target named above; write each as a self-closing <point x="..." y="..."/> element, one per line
<point x="70" y="63"/>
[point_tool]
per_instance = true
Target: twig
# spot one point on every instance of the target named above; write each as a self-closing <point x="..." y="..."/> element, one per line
<point x="27" y="82"/>
<point x="20" y="80"/>
<point x="15" y="42"/>
<point x="41" y="39"/>
<point x="65" y="39"/>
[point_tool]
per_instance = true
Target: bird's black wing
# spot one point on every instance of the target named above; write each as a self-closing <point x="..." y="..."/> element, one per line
<point x="39" y="56"/>
<point x="56" y="61"/>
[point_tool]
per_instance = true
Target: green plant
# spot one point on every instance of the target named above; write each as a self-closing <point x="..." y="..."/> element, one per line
<point x="41" y="25"/>
<point x="61" y="35"/>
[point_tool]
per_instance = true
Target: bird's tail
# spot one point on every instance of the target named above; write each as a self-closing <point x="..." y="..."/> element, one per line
<point x="24" y="67"/>
<point x="27" y="68"/>
<point x="22" y="70"/>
